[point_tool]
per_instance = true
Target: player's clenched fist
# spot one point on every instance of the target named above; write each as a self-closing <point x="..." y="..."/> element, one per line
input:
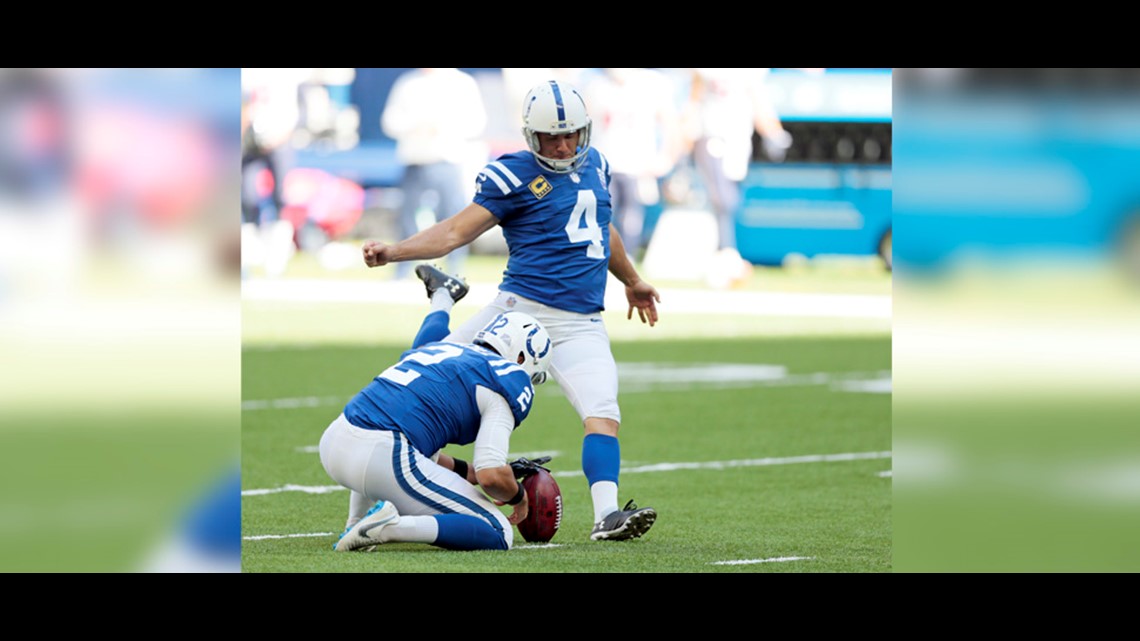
<point x="376" y="254"/>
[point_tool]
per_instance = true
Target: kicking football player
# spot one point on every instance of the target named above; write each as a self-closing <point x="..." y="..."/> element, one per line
<point x="385" y="446"/>
<point x="553" y="204"/>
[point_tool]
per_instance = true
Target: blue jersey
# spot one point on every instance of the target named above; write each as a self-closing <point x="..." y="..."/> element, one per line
<point x="557" y="228"/>
<point x="429" y="395"/>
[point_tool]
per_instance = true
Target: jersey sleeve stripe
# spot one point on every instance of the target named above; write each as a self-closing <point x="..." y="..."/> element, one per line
<point x="605" y="165"/>
<point x="503" y="371"/>
<point x="507" y="173"/>
<point x="496" y="179"/>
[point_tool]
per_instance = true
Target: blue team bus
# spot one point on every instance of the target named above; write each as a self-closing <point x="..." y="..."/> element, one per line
<point x="832" y="192"/>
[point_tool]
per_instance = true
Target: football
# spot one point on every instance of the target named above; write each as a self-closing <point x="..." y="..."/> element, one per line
<point x="545" y="501"/>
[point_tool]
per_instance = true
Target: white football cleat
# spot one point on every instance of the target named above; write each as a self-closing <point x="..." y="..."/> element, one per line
<point x="366" y="533"/>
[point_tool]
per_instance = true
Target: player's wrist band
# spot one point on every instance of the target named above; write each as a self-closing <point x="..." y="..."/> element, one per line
<point x="459" y="466"/>
<point x="518" y="496"/>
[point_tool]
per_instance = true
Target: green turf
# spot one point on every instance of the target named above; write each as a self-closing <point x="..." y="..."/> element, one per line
<point x="100" y="492"/>
<point x="836" y="514"/>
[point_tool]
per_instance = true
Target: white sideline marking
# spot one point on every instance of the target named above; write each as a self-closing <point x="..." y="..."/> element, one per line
<point x="533" y="455"/>
<point x="722" y="465"/>
<point x="291" y="403"/>
<point x="307" y="489"/>
<point x="261" y="537"/>
<point x="654" y="377"/>
<point x="886" y="473"/>
<point x="309" y="449"/>
<point x="779" y="559"/>
<point x="877" y="386"/>
<point x="536" y="546"/>
<point x="658" y="467"/>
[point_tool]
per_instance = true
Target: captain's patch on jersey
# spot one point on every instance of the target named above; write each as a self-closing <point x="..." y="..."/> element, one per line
<point x="540" y="186"/>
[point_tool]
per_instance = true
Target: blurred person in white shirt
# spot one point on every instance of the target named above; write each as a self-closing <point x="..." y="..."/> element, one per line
<point x="436" y="116"/>
<point x="637" y="124"/>
<point x="725" y="106"/>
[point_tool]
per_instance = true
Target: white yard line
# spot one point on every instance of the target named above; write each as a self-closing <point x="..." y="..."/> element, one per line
<point x="657" y="467"/>
<point x="307" y="489"/>
<point x="779" y="559"/>
<point x="757" y="462"/>
<point x="263" y="537"/>
<point x="638" y="378"/>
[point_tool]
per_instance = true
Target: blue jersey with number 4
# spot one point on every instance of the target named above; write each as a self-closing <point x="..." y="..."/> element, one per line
<point x="430" y="394"/>
<point x="557" y="228"/>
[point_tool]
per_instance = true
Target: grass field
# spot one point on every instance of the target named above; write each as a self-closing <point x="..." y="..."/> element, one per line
<point x="763" y="448"/>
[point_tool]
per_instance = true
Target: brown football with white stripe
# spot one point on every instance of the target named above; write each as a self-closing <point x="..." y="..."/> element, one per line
<point x="545" y="501"/>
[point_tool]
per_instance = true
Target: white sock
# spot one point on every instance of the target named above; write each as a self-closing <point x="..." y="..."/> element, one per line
<point x="411" y="529"/>
<point x="605" y="495"/>
<point x="441" y="300"/>
<point x="358" y="506"/>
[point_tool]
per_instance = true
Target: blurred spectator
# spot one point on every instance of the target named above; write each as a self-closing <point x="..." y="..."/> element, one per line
<point x="636" y="125"/>
<point x="270" y="115"/>
<point x="433" y="114"/>
<point x="33" y="157"/>
<point x="724" y="107"/>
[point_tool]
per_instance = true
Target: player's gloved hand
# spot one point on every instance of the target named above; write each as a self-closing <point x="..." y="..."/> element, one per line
<point x="524" y="467"/>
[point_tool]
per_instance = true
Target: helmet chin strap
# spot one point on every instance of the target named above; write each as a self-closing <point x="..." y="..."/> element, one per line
<point x="550" y="164"/>
<point x="569" y="164"/>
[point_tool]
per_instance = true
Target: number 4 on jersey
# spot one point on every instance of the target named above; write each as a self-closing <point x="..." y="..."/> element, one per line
<point x="587" y="205"/>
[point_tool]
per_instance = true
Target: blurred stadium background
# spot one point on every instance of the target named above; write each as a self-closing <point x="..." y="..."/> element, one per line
<point x="119" y="319"/>
<point x="1012" y="306"/>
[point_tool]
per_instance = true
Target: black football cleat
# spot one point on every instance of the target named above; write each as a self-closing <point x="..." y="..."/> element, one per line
<point x="434" y="279"/>
<point x="628" y="523"/>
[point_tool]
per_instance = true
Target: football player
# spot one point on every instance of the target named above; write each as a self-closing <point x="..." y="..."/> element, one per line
<point x="385" y="445"/>
<point x="553" y="204"/>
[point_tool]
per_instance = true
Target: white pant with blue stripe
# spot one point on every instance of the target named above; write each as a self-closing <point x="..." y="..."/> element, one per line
<point x="383" y="465"/>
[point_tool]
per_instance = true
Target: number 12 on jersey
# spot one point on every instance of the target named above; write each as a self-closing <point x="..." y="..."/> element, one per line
<point x="587" y="207"/>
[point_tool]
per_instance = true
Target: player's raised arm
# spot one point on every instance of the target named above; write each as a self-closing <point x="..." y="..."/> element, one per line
<point x="438" y="240"/>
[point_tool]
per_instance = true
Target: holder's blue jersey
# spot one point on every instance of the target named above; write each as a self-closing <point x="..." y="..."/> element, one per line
<point x="429" y="395"/>
<point x="557" y="227"/>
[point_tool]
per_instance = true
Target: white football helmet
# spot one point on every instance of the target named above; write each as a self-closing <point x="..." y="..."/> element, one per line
<point x="520" y="339"/>
<point x="556" y="108"/>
